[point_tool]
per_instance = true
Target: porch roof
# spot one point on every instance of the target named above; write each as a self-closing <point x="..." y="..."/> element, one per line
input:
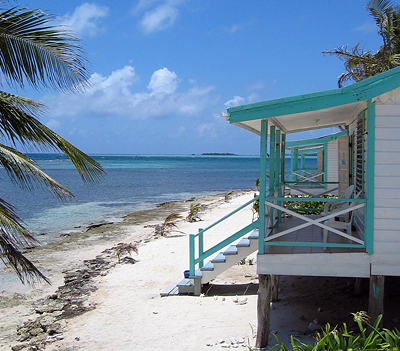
<point x="316" y="110"/>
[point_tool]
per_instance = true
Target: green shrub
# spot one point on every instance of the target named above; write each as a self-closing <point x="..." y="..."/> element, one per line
<point x="338" y="339"/>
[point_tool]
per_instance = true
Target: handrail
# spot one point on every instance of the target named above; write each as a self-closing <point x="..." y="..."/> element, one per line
<point x="203" y="255"/>
<point x="228" y="215"/>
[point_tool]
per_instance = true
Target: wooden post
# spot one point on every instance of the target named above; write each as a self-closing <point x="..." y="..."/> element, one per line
<point x="274" y="288"/>
<point x="263" y="310"/>
<point x="376" y="295"/>
<point x="358" y="287"/>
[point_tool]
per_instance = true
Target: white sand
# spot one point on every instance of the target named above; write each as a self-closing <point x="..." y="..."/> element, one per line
<point x="130" y="314"/>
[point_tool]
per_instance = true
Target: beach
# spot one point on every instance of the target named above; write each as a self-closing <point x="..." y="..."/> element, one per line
<point x="99" y="302"/>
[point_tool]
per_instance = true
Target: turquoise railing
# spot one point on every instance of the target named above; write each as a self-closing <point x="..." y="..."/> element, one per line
<point x="202" y="255"/>
<point x="272" y="200"/>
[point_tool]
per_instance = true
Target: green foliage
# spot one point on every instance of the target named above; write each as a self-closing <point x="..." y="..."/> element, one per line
<point x="168" y="225"/>
<point x="34" y="52"/>
<point x="193" y="213"/>
<point x="360" y="63"/>
<point x="337" y="339"/>
<point x="305" y="207"/>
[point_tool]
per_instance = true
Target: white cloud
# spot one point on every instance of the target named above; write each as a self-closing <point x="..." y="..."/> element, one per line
<point x="159" y="19"/>
<point x="367" y="27"/>
<point x="163" y="81"/>
<point x="236" y="101"/>
<point x="86" y="18"/>
<point x="158" y="14"/>
<point x="114" y="95"/>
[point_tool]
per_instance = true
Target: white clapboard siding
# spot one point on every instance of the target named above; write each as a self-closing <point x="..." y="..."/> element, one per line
<point x="386" y="257"/>
<point x="338" y="264"/>
<point x="332" y="164"/>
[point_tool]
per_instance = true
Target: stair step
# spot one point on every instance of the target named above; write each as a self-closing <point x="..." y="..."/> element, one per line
<point x="184" y="282"/>
<point x="220" y="258"/>
<point x="171" y="289"/>
<point x="207" y="267"/>
<point x="185" y="286"/>
<point x="231" y="250"/>
<point x="243" y="243"/>
<point x="253" y="235"/>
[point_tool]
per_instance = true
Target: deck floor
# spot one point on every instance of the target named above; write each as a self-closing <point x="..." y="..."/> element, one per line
<point x="311" y="233"/>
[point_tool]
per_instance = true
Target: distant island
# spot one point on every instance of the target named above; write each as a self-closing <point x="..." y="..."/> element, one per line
<point x="218" y="154"/>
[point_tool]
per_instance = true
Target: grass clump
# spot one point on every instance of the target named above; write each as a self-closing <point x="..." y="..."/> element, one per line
<point x="368" y="337"/>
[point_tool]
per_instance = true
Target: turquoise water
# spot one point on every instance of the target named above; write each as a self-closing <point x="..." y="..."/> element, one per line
<point x="133" y="182"/>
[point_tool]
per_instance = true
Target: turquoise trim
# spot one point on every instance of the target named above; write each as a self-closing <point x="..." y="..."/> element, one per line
<point x="369" y="212"/>
<point x="263" y="184"/>
<point x="272" y="166"/>
<point x="191" y="254"/>
<point x="283" y="149"/>
<point x="316" y="141"/>
<point x="277" y="157"/>
<point x="325" y="164"/>
<point x="227" y="241"/>
<point x="310" y="152"/>
<point x="311" y="244"/>
<point x="272" y="150"/>
<point x="278" y="167"/>
<point x="308" y="199"/>
<point x="357" y="92"/>
<point x="201" y="246"/>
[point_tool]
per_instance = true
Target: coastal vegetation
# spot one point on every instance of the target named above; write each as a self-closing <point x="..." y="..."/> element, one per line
<point x="359" y="63"/>
<point x="368" y="337"/>
<point x="168" y="225"/>
<point x="34" y="53"/>
<point x="193" y="215"/>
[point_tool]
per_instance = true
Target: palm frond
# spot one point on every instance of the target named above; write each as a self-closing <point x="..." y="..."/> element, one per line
<point x="34" y="52"/>
<point x="14" y="236"/>
<point x="18" y="123"/>
<point x="23" y="171"/>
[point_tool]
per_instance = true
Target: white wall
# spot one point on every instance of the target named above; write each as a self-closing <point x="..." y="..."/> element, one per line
<point x="386" y="257"/>
<point x="333" y="163"/>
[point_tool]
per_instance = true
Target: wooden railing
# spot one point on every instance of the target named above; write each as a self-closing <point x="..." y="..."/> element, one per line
<point x="356" y="204"/>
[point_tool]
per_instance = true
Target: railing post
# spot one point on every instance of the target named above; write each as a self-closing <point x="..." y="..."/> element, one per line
<point x="283" y="161"/>
<point x="191" y="254"/>
<point x="369" y="203"/>
<point x="272" y="166"/>
<point x="325" y="165"/>
<point x="263" y="185"/>
<point x="201" y="248"/>
<point x="277" y="167"/>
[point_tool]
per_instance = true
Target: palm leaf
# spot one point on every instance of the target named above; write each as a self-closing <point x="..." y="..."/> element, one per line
<point x="23" y="171"/>
<point x="12" y="237"/>
<point x="35" y="52"/>
<point x="18" y="124"/>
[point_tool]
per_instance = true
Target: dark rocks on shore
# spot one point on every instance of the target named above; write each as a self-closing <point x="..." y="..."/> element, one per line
<point x="68" y="301"/>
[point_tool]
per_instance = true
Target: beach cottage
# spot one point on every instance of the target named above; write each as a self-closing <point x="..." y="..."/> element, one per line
<point x="356" y="235"/>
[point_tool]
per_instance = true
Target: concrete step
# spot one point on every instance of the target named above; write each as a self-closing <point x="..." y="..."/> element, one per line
<point x="209" y="266"/>
<point x="243" y="243"/>
<point x="171" y="289"/>
<point x="253" y="235"/>
<point x="185" y="286"/>
<point x="231" y="250"/>
<point x="220" y="258"/>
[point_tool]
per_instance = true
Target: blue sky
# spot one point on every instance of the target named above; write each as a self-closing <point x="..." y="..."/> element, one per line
<point x="163" y="71"/>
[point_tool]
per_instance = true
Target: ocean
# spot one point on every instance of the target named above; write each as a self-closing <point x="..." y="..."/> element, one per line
<point x="133" y="182"/>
